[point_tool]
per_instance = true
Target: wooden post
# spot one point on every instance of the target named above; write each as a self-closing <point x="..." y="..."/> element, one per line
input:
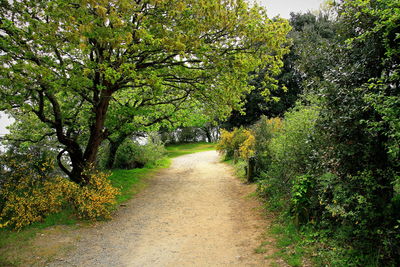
<point x="250" y="169"/>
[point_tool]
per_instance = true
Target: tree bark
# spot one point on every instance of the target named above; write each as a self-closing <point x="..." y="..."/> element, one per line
<point x="77" y="166"/>
<point x="112" y="153"/>
<point x="97" y="134"/>
<point x="207" y="132"/>
<point x="82" y="161"/>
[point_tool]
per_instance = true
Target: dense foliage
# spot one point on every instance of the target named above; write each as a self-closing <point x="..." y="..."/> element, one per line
<point x="133" y="155"/>
<point x="333" y="165"/>
<point x="313" y="38"/>
<point x="238" y="143"/>
<point x="77" y="73"/>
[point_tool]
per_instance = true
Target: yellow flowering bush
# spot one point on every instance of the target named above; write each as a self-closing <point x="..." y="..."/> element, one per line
<point x="240" y="140"/>
<point x="275" y="124"/>
<point x="96" y="199"/>
<point x="246" y="149"/>
<point x="225" y="144"/>
<point x="26" y="197"/>
<point x="30" y="201"/>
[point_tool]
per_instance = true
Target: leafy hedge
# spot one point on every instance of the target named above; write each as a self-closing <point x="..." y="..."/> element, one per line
<point x="344" y="189"/>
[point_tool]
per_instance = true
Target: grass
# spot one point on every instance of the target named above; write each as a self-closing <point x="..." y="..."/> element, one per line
<point x="11" y="241"/>
<point x="240" y="168"/>
<point x="261" y="249"/>
<point x="130" y="182"/>
<point x="177" y="150"/>
<point x="289" y="243"/>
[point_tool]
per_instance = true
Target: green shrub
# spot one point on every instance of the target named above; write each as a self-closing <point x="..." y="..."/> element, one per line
<point x="132" y="155"/>
<point x="303" y="198"/>
<point x="290" y="150"/>
<point x="264" y="130"/>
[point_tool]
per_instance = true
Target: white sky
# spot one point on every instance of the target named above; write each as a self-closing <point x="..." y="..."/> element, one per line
<point x="4" y="121"/>
<point x="284" y="7"/>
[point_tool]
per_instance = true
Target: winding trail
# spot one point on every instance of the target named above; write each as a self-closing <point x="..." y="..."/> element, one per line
<point x="196" y="213"/>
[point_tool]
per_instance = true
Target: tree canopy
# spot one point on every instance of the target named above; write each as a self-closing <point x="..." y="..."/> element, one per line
<point x="313" y="37"/>
<point x="88" y="68"/>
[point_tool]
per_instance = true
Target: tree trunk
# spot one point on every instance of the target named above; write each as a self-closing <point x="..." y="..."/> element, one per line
<point x="82" y="161"/>
<point x="207" y="132"/>
<point x="97" y="133"/>
<point x="114" y="145"/>
<point x="208" y="135"/>
<point x="77" y="165"/>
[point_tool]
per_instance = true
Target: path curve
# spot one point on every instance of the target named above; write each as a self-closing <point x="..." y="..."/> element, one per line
<point x="196" y="213"/>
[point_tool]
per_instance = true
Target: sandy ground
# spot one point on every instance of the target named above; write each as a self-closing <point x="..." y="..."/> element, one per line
<point x="196" y="213"/>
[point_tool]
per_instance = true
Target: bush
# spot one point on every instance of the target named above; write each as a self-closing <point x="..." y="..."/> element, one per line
<point x="27" y="196"/>
<point x="94" y="200"/>
<point x="264" y="130"/>
<point x="132" y="155"/>
<point x="25" y="191"/>
<point x="289" y="151"/>
<point x="240" y="140"/>
<point x="333" y="169"/>
<point x="30" y="201"/>
<point x="303" y="198"/>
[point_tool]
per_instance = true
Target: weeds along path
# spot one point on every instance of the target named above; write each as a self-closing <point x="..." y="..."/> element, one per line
<point x="195" y="213"/>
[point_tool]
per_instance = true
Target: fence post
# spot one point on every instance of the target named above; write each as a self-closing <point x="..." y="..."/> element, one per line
<point x="250" y="169"/>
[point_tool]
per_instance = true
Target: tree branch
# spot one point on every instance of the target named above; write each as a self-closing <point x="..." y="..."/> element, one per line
<point x="60" y="164"/>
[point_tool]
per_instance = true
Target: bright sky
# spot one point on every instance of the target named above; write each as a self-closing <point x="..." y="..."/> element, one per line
<point x="4" y="121"/>
<point x="284" y="7"/>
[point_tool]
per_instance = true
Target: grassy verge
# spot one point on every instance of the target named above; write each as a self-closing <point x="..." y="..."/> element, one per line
<point x="308" y="247"/>
<point x="239" y="167"/>
<point x="12" y="242"/>
<point x="290" y="243"/>
<point x="130" y="182"/>
<point x="183" y="149"/>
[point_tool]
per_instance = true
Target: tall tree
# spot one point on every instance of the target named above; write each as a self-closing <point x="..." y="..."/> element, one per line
<point x="72" y="61"/>
<point x="313" y="38"/>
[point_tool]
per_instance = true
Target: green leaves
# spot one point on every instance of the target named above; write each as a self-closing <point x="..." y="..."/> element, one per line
<point x="92" y="69"/>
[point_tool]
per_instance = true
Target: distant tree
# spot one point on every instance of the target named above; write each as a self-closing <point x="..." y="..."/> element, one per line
<point x="313" y="38"/>
<point x="86" y="68"/>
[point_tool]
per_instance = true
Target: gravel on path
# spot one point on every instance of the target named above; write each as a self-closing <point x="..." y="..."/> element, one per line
<point x="196" y="213"/>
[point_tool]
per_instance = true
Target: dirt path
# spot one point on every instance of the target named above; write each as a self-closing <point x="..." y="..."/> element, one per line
<point x="195" y="213"/>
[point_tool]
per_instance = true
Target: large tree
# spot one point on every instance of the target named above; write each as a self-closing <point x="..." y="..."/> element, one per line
<point x="71" y="62"/>
<point x="313" y="37"/>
